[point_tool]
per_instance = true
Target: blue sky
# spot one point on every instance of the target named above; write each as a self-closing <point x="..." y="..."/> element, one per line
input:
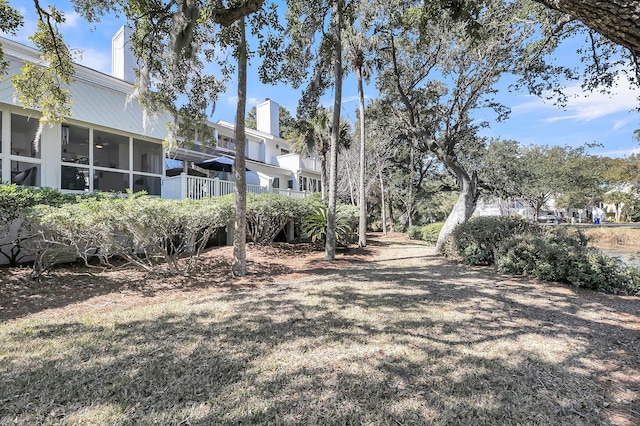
<point x="587" y="118"/>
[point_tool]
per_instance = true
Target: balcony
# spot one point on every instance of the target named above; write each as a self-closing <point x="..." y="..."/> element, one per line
<point x="294" y="163"/>
<point x="197" y="188"/>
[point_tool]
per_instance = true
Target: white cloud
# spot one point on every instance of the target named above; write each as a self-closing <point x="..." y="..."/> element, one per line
<point x="586" y="106"/>
<point x="619" y="152"/>
<point x="72" y="19"/>
<point x="97" y="60"/>
<point x="619" y="124"/>
<point x="252" y="101"/>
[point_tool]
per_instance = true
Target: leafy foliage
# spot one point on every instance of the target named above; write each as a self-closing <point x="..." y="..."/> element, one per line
<point x="46" y="87"/>
<point x="15" y="204"/>
<point x="346" y="223"/>
<point x="559" y="256"/>
<point x="478" y="239"/>
<point x="151" y="233"/>
<point x="268" y="214"/>
<point x="145" y="231"/>
<point x="551" y="254"/>
<point x="428" y="233"/>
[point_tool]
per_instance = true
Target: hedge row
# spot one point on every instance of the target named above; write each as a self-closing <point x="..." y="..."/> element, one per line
<point x="550" y="253"/>
<point x="143" y="230"/>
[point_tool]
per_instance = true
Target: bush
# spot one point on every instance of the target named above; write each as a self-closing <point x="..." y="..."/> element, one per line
<point x="428" y="233"/>
<point x="431" y="232"/>
<point x="477" y="240"/>
<point x="268" y="214"/>
<point x="346" y="223"/>
<point x="16" y="203"/>
<point x="558" y="255"/>
<point x="143" y="230"/>
<point x="414" y="232"/>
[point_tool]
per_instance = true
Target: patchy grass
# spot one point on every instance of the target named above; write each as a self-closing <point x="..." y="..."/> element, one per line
<point x="401" y="337"/>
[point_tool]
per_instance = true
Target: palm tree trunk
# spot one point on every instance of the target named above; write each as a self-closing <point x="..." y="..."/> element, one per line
<point x="239" y="266"/>
<point x="362" y="223"/>
<point x="330" y="247"/>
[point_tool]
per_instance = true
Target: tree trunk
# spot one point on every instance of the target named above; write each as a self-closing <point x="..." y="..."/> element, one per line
<point x="323" y="176"/>
<point x="330" y="247"/>
<point x="412" y="173"/>
<point x="615" y="19"/>
<point x="392" y="227"/>
<point x="382" y="203"/>
<point x="352" y="189"/>
<point x="239" y="266"/>
<point x="362" y="223"/>
<point x="464" y="207"/>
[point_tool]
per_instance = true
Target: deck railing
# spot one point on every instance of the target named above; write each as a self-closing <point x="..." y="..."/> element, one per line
<point x="184" y="186"/>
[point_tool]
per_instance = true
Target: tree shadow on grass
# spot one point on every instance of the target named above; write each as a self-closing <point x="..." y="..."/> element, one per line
<point x="426" y="343"/>
<point x="356" y="347"/>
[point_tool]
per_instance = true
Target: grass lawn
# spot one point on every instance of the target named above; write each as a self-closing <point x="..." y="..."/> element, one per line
<point x="394" y="335"/>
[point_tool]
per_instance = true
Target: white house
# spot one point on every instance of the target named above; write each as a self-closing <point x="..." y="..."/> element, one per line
<point x="106" y="145"/>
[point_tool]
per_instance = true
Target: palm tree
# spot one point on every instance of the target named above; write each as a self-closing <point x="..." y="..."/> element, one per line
<point x="314" y="136"/>
<point x="356" y="45"/>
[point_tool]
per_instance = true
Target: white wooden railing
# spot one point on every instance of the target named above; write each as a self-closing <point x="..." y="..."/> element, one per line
<point x="184" y="186"/>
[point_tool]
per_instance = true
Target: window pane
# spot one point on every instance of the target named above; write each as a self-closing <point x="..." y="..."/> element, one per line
<point x="150" y="184"/>
<point x="110" y="150"/>
<point x="0" y="133"/>
<point x="110" y="181"/>
<point x="23" y="132"/>
<point x="147" y="156"/>
<point x="75" y="144"/>
<point x="26" y="174"/>
<point x="76" y="178"/>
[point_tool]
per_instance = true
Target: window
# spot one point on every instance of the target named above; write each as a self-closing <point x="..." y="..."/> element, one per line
<point x="26" y="174"/>
<point x="74" y="152"/>
<point x="75" y="144"/>
<point x="74" y="178"/>
<point x="150" y="184"/>
<point x="275" y="183"/>
<point x="23" y="132"/>
<point x="147" y="156"/>
<point x="110" y="181"/>
<point x="110" y="150"/>
<point x="284" y="152"/>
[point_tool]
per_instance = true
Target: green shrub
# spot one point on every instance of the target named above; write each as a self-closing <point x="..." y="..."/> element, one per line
<point x="346" y="221"/>
<point x="268" y="214"/>
<point x="431" y="232"/>
<point x="414" y="232"/>
<point x="549" y="255"/>
<point x="428" y="233"/>
<point x="16" y="202"/>
<point x="563" y="256"/>
<point x="477" y="240"/>
<point x="143" y="230"/>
